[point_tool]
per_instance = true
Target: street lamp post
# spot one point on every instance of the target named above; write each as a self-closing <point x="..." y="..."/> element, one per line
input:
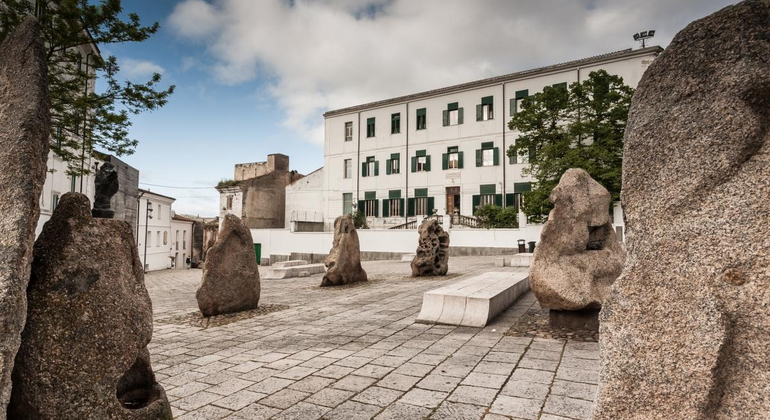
<point x="147" y="217"/>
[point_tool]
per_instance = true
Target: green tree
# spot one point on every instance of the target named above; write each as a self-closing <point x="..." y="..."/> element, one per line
<point x="81" y="118"/>
<point x="577" y="127"/>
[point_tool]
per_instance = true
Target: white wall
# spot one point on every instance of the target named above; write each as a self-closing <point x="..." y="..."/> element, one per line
<point x="181" y="242"/>
<point x="305" y="199"/>
<point x="57" y="182"/>
<point x="237" y="208"/>
<point x="158" y="227"/>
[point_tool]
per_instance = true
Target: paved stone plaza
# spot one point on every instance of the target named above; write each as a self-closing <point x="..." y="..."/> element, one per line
<point x="354" y="352"/>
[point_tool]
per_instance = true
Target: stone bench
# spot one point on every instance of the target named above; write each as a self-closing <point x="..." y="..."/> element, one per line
<point x="523" y="259"/>
<point x="473" y="302"/>
<point x="293" y="271"/>
<point x="290" y="263"/>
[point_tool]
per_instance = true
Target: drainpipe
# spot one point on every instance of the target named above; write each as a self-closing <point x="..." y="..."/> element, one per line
<point x="408" y="168"/>
<point x="505" y="151"/>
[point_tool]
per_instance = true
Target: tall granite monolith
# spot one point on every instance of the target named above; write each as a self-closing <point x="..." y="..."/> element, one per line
<point x="84" y="348"/>
<point x="685" y="331"/>
<point x="343" y="264"/>
<point x="579" y="256"/>
<point x="432" y="255"/>
<point x="25" y="124"/>
<point x="231" y="275"/>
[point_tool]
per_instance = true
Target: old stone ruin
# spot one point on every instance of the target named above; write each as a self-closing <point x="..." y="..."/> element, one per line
<point x="84" y="348"/>
<point x="432" y="256"/>
<point x="685" y="330"/>
<point x="106" y="186"/>
<point x="25" y="124"/>
<point x="230" y="280"/>
<point x="579" y="256"/>
<point x="343" y="264"/>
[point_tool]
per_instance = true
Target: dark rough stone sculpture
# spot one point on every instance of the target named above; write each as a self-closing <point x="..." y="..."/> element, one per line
<point x="84" y="348"/>
<point x="25" y="125"/>
<point x="685" y="331"/>
<point x="343" y="264"/>
<point x="579" y="256"/>
<point x="231" y="274"/>
<point x="432" y="256"/>
<point x="106" y="186"/>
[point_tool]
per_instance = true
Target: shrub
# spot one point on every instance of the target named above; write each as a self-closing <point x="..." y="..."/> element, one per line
<point x="492" y="216"/>
<point x="359" y="220"/>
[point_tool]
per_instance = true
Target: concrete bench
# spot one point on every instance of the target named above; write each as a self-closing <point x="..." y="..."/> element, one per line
<point x="293" y="271"/>
<point x="290" y="263"/>
<point x="523" y="259"/>
<point x="473" y="302"/>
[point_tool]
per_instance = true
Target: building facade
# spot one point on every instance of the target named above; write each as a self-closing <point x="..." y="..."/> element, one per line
<point x="182" y="230"/>
<point x="444" y="150"/>
<point x="154" y="231"/>
<point x="257" y="194"/>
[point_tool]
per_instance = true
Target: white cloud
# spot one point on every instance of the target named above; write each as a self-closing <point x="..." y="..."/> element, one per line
<point x="139" y="68"/>
<point x="326" y="54"/>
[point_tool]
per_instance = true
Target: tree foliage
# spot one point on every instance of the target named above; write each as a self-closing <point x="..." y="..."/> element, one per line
<point x="81" y="118"/>
<point x="495" y="217"/>
<point x="578" y="127"/>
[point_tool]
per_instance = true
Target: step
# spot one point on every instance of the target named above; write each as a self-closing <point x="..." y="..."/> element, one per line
<point x="293" y="271"/>
<point x="473" y="302"/>
<point x="407" y="257"/>
<point x="523" y="259"/>
<point x="290" y="263"/>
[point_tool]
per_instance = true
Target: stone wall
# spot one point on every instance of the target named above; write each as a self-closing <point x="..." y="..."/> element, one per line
<point x="126" y="201"/>
<point x="264" y="199"/>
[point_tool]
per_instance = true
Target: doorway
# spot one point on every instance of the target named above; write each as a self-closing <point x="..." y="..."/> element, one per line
<point x="452" y="200"/>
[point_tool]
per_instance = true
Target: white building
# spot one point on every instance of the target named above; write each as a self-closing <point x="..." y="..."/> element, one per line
<point x="57" y="183"/>
<point x="181" y="240"/>
<point x="443" y="149"/>
<point x="154" y="231"/>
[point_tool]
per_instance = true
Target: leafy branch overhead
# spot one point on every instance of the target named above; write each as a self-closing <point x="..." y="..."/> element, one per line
<point x="83" y="119"/>
<point x="577" y="127"/>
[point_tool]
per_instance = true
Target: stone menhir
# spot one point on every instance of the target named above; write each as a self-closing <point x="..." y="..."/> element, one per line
<point x="25" y="125"/>
<point x="685" y="331"/>
<point x="579" y="256"/>
<point x="432" y="255"/>
<point x="84" y="348"/>
<point x="231" y="274"/>
<point x="106" y="184"/>
<point x="343" y="264"/>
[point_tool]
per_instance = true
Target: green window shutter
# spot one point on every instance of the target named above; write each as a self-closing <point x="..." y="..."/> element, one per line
<point x="499" y="200"/>
<point x="401" y="207"/>
<point x="376" y="208"/>
<point x="420" y="153"/>
<point x="394" y="194"/>
<point x="427" y="164"/>
<point x="512" y="107"/>
<point x="395" y="156"/>
<point x="410" y="210"/>
<point x="370" y="195"/>
<point x="387" y="166"/>
<point x="476" y="202"/>
<point x="488" y="145"/>
<point x="363" y="169"/>
<point x="478" y="113"/>
<point x="421" y="112"/>
<point x="414" y="164"/>
<point x="520" y="187"/>
<point x="479" y="160"/>
<point x="386" y="208"/>
<point x="460" y="159"/>
<point x="562" y="85"/>
<point x="487" y="189"/>
<point x="444" y="161"/>
<point x="445" y="115"/>
<point x="361" y="207"/>
<point x="509" y="200"/>
<point x="376" y="168"/>
<point x="497" y="156"/>
<point x="420" y="192"/>
<point x="453" y="106"/>
<point x="521" y="94"/>
<point x="460" y="117"/>
<point x="488" y="100"/>
<point x="430" y="205"/>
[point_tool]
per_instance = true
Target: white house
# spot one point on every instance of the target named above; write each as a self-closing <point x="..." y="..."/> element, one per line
<point x="443" y="149"/>
<point x="154" y="231"/>
<point x="57" y="183"/>
<point x="181" y="240"/>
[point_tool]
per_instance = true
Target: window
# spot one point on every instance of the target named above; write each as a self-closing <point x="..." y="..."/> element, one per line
<point x="523" y="157"/>
<point x="176" y="240"/>
<point x="370" y="127"/>
<point x="72" y="183"/>
<point x="487" y="199"/>
<point x="370" y="167"/>
<point x="485" y="109"/>
<point x="229" y="205"/>
<point x="487" y="195"/>
<point x="160" y="216"/>
<point x="165" y="238"/>
<point x="54" y="201"/>
<point x="393" y="165"/>
<point x="453" y="115"/>
<point x="394" y="207"/>
<point x="348" y="168"/>
<point x="420" y="162"/>
<point x="157" y="242"/>
<point x="149" y="238"/>
<point x="421" y="119"/>
<point x="421" y="206"/>
<point x="347" y="203"/>
<point x="488" y="155"/>
<point x="349" y="131"/>
<point x="395" y="123"/>
<point x="452" y="159"/>
<point x="184" y="239"/>
<point x="370" y="208"/>
<point x="518" y="98"/>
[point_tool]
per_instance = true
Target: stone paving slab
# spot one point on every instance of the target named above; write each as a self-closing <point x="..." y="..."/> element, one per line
<point x="357" y="353"/>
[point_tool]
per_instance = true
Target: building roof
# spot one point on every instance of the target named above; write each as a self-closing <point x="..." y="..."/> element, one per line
<point x="500" y="79"/>
<point x="182" y="218"/>
<point x="143" y="192"/>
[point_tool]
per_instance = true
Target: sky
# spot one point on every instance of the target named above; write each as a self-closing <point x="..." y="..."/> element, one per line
<point x="254" y="77"/>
